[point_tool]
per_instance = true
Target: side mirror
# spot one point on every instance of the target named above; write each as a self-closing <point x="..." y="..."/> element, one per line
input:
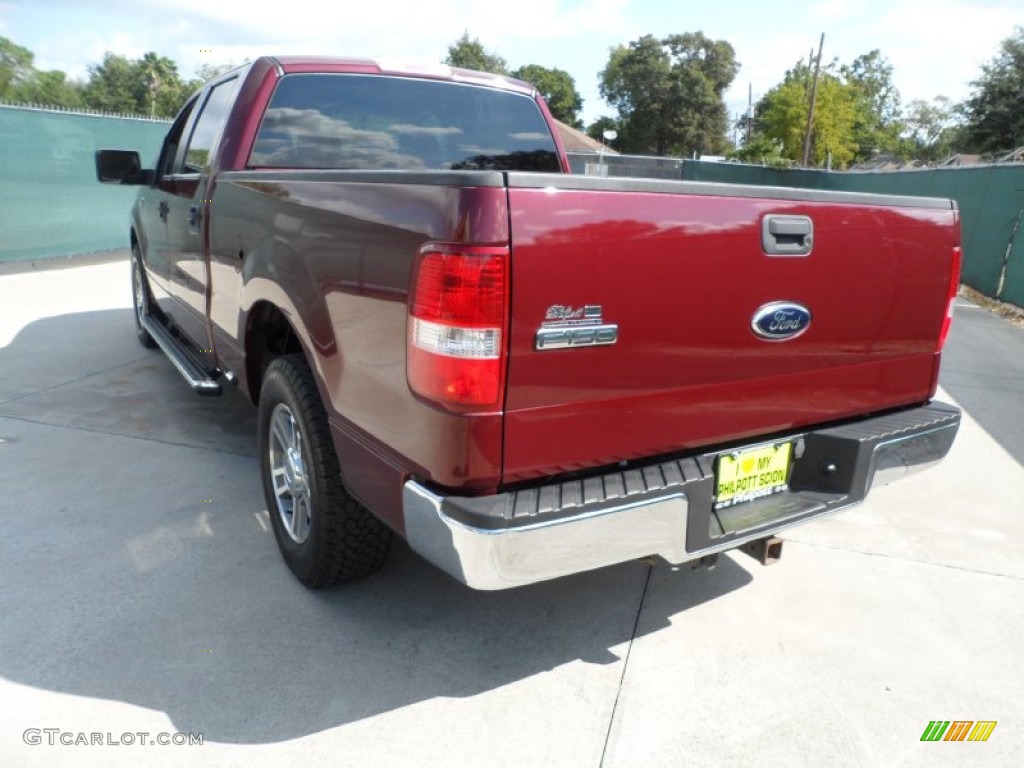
<point x="119" y="166"/>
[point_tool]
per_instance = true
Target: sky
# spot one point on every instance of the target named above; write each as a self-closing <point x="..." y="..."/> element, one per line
<point x="935" y="46"/>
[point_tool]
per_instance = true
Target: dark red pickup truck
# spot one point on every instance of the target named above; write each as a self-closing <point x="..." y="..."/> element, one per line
<point x="523" y="372"/>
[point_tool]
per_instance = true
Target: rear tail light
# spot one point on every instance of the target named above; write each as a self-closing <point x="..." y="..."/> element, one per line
<point x="458" y="326"/>
<point x="954" y="288"/>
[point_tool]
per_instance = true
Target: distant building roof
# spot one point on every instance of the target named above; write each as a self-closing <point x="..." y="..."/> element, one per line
<point x="1016" y="156"/>
<point x="884" y="161"/>
<point x="578" y="141"/>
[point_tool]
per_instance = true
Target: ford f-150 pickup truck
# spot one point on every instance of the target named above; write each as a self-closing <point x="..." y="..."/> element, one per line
<point x="524" y="372"/>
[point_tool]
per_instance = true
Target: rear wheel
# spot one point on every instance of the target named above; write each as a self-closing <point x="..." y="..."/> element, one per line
<point x="140" y="297"/>
<point x="325" y="536"/>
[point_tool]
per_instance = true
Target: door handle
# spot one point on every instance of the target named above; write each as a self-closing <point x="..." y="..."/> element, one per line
<point x="787" y="235"/>
<point x="195" y="215"/>
<point x="163" y="209"/>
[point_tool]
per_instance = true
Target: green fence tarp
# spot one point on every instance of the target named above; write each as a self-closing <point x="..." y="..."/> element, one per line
<point x="50" y="201"/>
<point x="52" y="205"/>
<point x="1013" y="285"/>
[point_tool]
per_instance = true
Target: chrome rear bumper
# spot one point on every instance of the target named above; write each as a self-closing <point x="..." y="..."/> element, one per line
<point x="524" y="536"/>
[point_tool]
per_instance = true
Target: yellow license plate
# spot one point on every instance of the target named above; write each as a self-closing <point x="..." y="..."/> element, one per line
<point x="751" y="474"/>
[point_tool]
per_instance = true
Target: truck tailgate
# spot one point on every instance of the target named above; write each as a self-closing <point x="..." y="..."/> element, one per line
<point x="676" y="273"/>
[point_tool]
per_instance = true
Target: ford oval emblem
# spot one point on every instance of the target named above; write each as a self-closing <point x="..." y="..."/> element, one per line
<point x="780" y="321"/>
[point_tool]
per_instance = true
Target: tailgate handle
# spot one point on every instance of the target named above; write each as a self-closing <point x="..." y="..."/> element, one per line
<point x="787" y="235"/>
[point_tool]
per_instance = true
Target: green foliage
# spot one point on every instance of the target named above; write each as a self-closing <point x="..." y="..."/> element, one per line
<point x="166" y="91"/>
<point x="50" y="88"/>
<point x="878" y="123"/>
<point x="839" y="124"/>
<point x="149" y="86"/>
<point x="471" y="54"/>
<point x="636" y="83"/>
<point x="604" y="123"/>
<point x="21" y="82"/>
<point x="116" y="86"/>
<point x="15" y="66"/>
<point x="668" y="93"/>
<point x="762" y="151"/>
<point x="857" y="112"/>
<point x="995" y="111"/>
<point x="782" y="117"/>
<point x="206" y="73"/>
<point x="932" y="130"/>
<point x="558" y="89"/>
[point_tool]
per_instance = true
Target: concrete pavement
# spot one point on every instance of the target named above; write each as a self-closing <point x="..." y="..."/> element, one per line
<point x="141" y="591"/>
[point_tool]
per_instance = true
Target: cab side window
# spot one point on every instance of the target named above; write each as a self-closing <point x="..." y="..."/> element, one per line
<point x="206" y="131"/>
<point x="169" y="151"/>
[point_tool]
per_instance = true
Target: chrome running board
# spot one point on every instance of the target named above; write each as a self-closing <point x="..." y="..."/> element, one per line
<point x="198" y="378"/>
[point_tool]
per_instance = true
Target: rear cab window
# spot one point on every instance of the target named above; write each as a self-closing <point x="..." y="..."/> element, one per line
<point x="380" y="122"/>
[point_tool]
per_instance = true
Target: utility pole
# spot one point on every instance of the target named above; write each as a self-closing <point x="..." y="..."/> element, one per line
<point x="750" y="110"/>
<point x="814" y="95"/>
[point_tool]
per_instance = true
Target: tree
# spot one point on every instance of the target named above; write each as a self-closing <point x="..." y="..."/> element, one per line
<point x="471" y="54"/>
<point x="165" y="89"/>
<point x="208" y="72"/>
<point x="932" y="131"/>
<point x="150" y="85"/>
<point x="636" y="83"/>
<point x="764" y="151"/>
<point x="995" y="111"/>
<point x="668" y="93"/>
<point x="50" y="88"/>
<point x="838" y="124"/>
<point x="781" y="116"/>
<point x="558" y="89"/>
<point x="857" y="113"/>
<point x="116" y="85"/>
<point x="15" y="66"/>
<point x="205" y="74"/>
<point x="21" y="82"/>
<point x="878" y="123"/>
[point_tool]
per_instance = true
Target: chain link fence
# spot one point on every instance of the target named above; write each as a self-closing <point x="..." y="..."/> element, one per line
<point x="598" y="164"/>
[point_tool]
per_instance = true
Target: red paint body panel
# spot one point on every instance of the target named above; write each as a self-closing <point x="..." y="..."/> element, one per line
<point x="682" y="276"/>
<point x="336" y="257"/>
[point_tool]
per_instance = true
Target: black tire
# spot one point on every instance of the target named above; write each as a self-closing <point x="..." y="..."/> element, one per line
<point x="141" y="301"/>
<point x="325" y="536"/>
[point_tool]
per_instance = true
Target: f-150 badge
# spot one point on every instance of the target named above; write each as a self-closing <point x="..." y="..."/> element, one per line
<point x="566" y="326"/>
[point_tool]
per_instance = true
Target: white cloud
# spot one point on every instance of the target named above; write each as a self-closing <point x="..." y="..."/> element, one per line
<point x="832" y="9"/>
<point x="409" y="27"/>
<point x="938" y="46"/>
